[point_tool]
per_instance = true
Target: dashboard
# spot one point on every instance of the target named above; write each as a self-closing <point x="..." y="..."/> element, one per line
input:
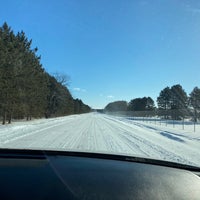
<point x="34" y="174"/>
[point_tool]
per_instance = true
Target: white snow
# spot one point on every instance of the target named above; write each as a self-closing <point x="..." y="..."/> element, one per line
<point x="102" y="133"/>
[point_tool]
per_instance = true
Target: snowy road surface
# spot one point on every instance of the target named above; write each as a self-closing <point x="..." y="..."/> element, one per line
<point x="103" y="133"/>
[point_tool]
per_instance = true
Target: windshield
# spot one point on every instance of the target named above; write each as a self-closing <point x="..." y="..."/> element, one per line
<point x="118" y="77"/>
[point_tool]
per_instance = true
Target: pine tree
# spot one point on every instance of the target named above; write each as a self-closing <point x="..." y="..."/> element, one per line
<point x="173" y="101"/>
<point x="194" y="100"/>
<point x="179" y="99"/>
<point x="8" y="58"/>
<point x="164" y="99"/>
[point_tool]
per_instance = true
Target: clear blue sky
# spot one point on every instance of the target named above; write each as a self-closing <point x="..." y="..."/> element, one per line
<point x="113" y="49"/>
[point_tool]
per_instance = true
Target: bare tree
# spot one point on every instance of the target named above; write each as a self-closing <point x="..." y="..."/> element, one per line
<point x="61" y="78"/>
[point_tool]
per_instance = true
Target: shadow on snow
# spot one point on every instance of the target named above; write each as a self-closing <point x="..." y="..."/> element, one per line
<point x="168" y="135"/>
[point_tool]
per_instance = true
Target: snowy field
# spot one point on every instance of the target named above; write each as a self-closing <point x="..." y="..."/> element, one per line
<point x="102" y="133"/>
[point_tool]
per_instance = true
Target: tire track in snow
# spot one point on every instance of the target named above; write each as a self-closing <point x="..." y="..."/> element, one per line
<point x="149" y="149"/>
<point x="118" y="144"/>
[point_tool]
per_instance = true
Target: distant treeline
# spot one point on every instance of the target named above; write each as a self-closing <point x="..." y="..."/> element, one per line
<point x="172" y="103"/>
<point x="26" y="89"/>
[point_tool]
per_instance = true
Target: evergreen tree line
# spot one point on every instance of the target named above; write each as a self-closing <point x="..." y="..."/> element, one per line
<point x="137" y="104"/>
<point x="175" y="103"/>
<point x="26" y="89"/>
<point x="172" y="103"/>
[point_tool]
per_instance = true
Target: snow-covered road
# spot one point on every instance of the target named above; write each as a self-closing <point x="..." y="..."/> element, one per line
<point x="103" y="133"/>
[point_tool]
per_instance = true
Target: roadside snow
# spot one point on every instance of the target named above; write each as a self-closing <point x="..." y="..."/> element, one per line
<point x="102" y="133"/>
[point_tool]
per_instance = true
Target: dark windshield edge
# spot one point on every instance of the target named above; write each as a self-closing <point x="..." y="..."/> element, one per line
<point x="42" y="154"/>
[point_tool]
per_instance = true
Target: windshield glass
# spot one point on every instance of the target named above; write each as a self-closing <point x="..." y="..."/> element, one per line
<point x="112" y="76"/>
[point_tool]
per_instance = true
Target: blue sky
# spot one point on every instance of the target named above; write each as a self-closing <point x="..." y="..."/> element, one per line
<point x="113" y="49"/>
